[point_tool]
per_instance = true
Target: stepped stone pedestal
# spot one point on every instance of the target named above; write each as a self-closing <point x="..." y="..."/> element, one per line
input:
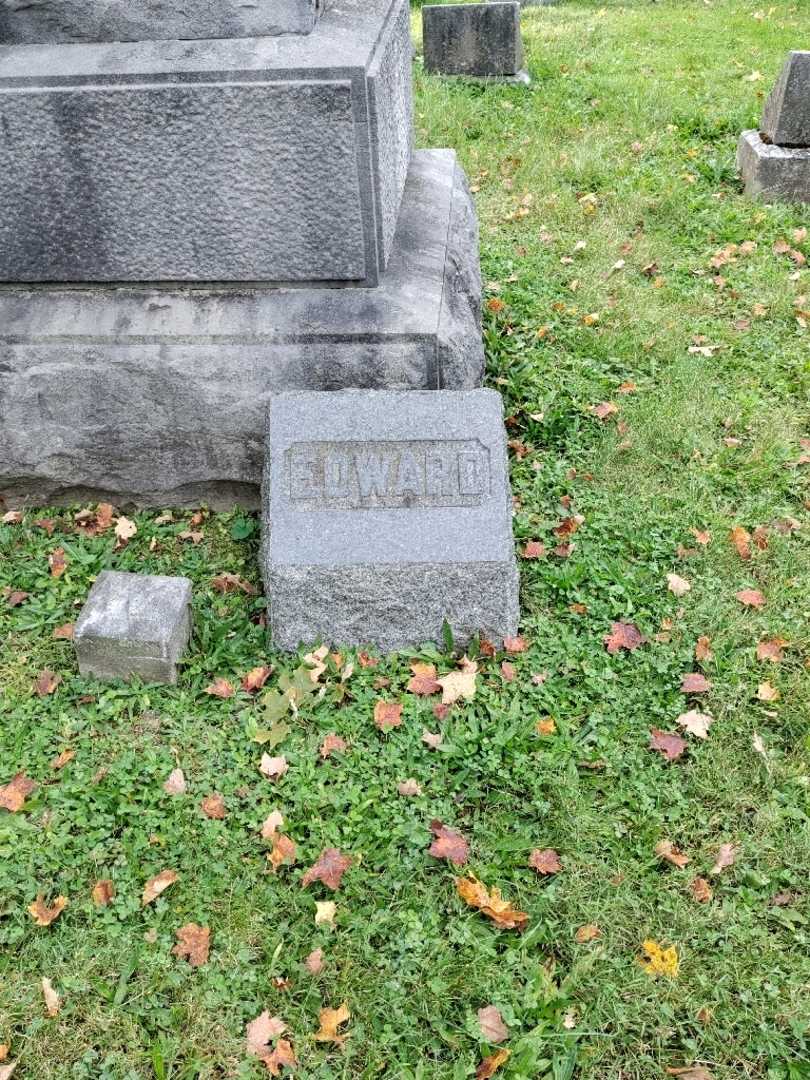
<point x="775" y="161"/>
<point x="187" y="226"/>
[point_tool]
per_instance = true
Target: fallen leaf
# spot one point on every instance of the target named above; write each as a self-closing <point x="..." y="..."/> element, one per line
<point x="329" y="869"/>
<point x="220" y="688"/>
<point x="331" y="744"/>
<point x="490" y="1065"/>
<point x="284" y="851"/>
<point x="194" y="535"/>
<point x="771" y="650"/>
<point x="459" y="684"/>
<point x="52" y="999"/>
<point x="387" y="715"/>
<point x="448" y="844"/>
<point x="255" y="679"/>
<point x="12" y="517"/>
<point x="669" y="745"/>
<point x="273" y="767"/>
<point x="226" y="583"/>
<point x="213" y="806"/>
<point x="176" y="784"/>
<point x="158" y="884"/>
<point x="46" y="683"/>
<point x="589" y="932"/>
<point x="434" y="741"/>
<point x="64" y="632"/>
<point x="331" y="1020"/>
<point x="6" y="1071"/>
<point x="490" y="903"/>
<point x="741" y="539"/>
<point x="260" y="1031"/>
<point x="546" y="727"/>
<point x="103" y="892"/>
<point x="751" y="598"/>
<point x="314" y="962"/>
<point x="695" y="683"/>
<point x="696" y="723"/>
<point x="63" y="759"/>
<point x="546" y="861"/>
<point x="726" y="857"/>
<point x="701" y="890"/>
<point x="15" y="792"/>
<point x="660" y="961"/>
<point x="424" y="682"/>
<point x="409" y="787"/>
<point x="703" y="537"/>
<point x="125" y="529"/>
<point x="509" y="671"/>
<point x="317" y="662"/>
<point x="677" y="585"/>
<point x="57" y="562"/>
<point x="534" y="549"/>
<point x="665" y="849"/>
<point x="193" y="944"/>
<point x="282" y="1054"/>
<point x="703" y="650"/>
<point x="325" y="913"/>
<point x="493" y="1029"/>
<point x="15" y="597"/>
<point x="623" y="636"/>
<point x="272" y="824"/>
<point x="691" y="1072"/>
<point x="44" y="916"/>
<point x="515" y="645"/>
<point x="766" y="692"/>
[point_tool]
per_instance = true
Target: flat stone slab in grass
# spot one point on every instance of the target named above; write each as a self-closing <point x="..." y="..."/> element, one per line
<point x="385" y="514"/>
<point x="134" y="624"/>
<point x="773" y="173"/>
<point x="480" y="40"/>
<point x="158" y="397"/>
<point x="786" y="119"/>
<point x="25" y="22"/>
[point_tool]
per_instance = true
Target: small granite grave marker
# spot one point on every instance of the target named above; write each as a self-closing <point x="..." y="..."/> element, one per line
<point x="478" y="40"/>
<point x="385" y="514"/>
<point x="775" y="161"/>
<point x="134" y="624"/>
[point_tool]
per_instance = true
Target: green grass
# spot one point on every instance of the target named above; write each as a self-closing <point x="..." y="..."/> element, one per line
<point x="638" y="106"/>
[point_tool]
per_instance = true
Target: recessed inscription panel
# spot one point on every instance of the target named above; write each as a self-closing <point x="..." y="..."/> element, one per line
<point x="387" y="474"/>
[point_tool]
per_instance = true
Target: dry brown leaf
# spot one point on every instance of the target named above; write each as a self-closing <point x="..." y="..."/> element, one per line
<point x="193" y="944"/>
<point x="605" y="409"/>
<point x="63" y="759"/>
<point x="387" y="715"/>
<point x="57" y="561"/>
<point x="701" y="890"/>
<point x="409" y="788"/>
<point x="490" y="903"/>
<point x="695" y="683"/>
<point x="703" y="651"/>
<point x="226" y="583"/>
<point x="726" y="857"/>
<point x="691" y="1072"/>
<point x="255" y="679"/>
<point x="665" y="849"/>
<point x="176" y="784"/>
<point x="329" y="869"/>
<point x="260" y="1031"/>
<point x="669" y="745"/>
<point x="434" y="741"/>
<point x="741" y="539"/>
<point x="43" y="915"/>
<point x="273" y="767"/>
<point x="677" y="585"/>
<point x="545" y="861"/>
<point x="7" y="1071"/>
<point x="548" y="726"/>
<point x="493" y="1029"/>
<point x="15" y="792"/>
<point x="589" y="932"/>
<point x="158" y="884"/>
<point x="331" y="744"/>
<point x="284" y="851"/>
<point x="459" y="684"/>
<point x="272" y="824"/>
<point x="325" y="912"/>
<point x="490" y="1065"/>
<point x="751" y="598"/>
<point x="623" y="636"/>
<point x="331" y="1020"/>
<point x="220" y="688"/>
<point x="424" y="682"/>
<point x="46" y="683"/>
<point x="448" y="844"/>
<point x="696" y="723"/>
<point x="703" y="537"/>
<point x="125" y="529"/>
<point x="534" y="549"/>
<point x="64" y="632"/>
<point x="515" y="645"/>
<point x="213" y="806"/>
<point x="52" y="1000"/>
<point x="771" y="650"/>
<point x="282" y="1054"/>
<point x="103" y="892"/>
<point x="314" y="962"/>
<point x="766" y="692"/>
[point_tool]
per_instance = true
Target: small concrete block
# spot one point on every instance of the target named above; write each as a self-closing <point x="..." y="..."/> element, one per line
<point x="26" y="22"/>
<point x="480" y="40"/>
<point x="786" y="119"/>
<point x="773" y="173"/>
<point x="134" y="624"/>
<point x="385" y="514"/>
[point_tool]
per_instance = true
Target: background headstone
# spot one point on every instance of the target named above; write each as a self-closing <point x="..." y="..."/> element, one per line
<point x="786" y="119"/>
<point x="478" y="40"/>
<point x="385" y="514"/>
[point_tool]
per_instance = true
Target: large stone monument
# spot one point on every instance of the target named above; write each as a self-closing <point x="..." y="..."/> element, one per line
<point x="203" y="202"/>
<point x="385" y="515"/>
<point x="775" y="161"/>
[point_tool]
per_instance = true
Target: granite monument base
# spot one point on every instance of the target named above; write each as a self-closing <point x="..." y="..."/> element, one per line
<point x="151" y="397"/>
<point x="773" y="173"/>
<point x="386" y="514"/>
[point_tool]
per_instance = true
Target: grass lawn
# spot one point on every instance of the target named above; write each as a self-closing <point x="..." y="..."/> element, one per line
<point x="622" y="266"/>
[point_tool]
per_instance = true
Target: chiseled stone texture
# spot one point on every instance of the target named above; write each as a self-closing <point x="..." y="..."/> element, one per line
<point x="786" y="119"/>
<point x="134" y="624"/>
<point x="773" y="173"/>
<point x="473" y="39"/>
<point x="385" y="514"/>
<point x="157" y="397"/>
<point x="267" y="159"/>
<point x="25" y="22"/>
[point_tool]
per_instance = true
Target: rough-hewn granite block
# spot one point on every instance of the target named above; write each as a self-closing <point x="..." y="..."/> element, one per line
<point x="266" y="159"/>
<point x="134" y="624"/>
<point x="25" y="22"/>
<point x="157" y="397"/>
<point x="774" y="173"/>
<point x="385" y="514"/>
<point x="786" y="119"/>
<point x="473" y="39"/>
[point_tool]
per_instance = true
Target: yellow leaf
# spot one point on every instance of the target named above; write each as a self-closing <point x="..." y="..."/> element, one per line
<point x="331" y="1019"/>
<point x="660" y="961"/>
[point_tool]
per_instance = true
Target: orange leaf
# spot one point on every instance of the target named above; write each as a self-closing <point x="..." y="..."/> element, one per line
<point x="213" y="806"/>
<point x="741" y="539"/>
<point x="193" y="943"/>
<point x="331" y="1020"/>
<point x="701" y="890"/>
<point x="490" y="1065"/>
<point x="57" y="562"/>
<point x="703" y="649"/>
<point x="331" y="744"/>
<point x="284" y="851"/>
<point x="751" y="598"/>
<point x="15" y="792"/>
<point x="220" y="688"/>
<point x="424" y="683"/>
<point x="546" y="861"/>
<point x="448" y="844"/>
<point x="329" y="869"/>
<point x="771" y="650"/>
<point x="665" y="849"/>
<point x="156" y="885"/>
<point x="387" y="715"/>
<point x="255" y="679"/>
<point x="103" y="892"/>
<point x="44" y="916"/>
<point x="491" y="903"/>
<point x="63" y="759"/>
<point x="589" y="932"/>
<point x="63" y="632"/>
<point x="46" y="683"/>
